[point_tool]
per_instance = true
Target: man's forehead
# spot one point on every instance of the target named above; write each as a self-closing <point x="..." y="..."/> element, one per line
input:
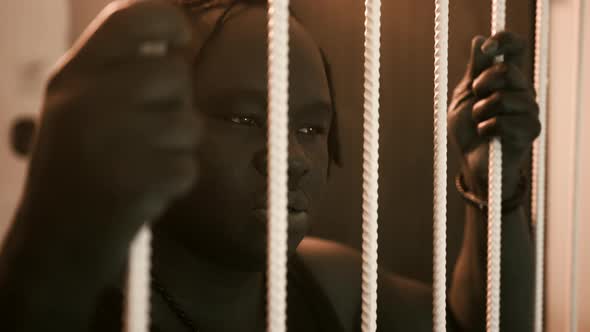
<point x="239" y="53"/>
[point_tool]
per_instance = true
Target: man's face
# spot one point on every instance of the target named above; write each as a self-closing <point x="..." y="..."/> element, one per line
<point x="224" y="217"/>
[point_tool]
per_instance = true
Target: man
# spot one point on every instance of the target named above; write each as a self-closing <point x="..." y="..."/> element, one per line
<point x="180" y="139"/>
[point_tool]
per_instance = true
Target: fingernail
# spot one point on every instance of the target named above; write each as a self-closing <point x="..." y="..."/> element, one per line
<point x="490" y="46"/>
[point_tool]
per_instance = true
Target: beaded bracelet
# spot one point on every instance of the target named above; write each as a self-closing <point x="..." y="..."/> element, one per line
<point x="508" y="205"/>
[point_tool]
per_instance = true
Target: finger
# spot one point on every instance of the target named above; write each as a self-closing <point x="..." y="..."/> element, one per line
<point x="154" y="151"/>
<point x="169" y="144"/>
<point x="504" y="102"/>
<point x="162" y="83"/>
<point x="478" y="60"/>
<point x="462" y="126"/>
<point x="177" y="131"/>
<point x="500" y="76"/>
<point x="510" y="45"/>
<point x="153" y="92"/>
<point x="163" y="96"/>
<point x="165" y="173"/>
<point x="123" y="27"/>
<point x="515" y="131"/>
<point x="128" y="129"/>
<point x="147" y="82"/>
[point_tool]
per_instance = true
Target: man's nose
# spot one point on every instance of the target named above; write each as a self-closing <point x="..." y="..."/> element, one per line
<point x="298" y="162"/>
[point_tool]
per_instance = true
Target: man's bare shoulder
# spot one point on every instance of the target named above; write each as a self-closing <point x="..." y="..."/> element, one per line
<point x="337" y="269"/>
<point x="403" y="303"/>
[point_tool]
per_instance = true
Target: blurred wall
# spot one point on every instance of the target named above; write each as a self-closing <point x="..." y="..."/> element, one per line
<point x="33" y="35"/>
<point x="568" y="212"/>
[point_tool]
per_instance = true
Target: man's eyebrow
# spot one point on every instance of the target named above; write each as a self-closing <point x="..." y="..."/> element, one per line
<point x="250" y="95"/>
<point x="260" y="98"/>
<point x="315" y="106"/>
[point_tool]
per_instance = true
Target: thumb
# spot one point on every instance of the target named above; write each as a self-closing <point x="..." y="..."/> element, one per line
<point x="478" y="60"/>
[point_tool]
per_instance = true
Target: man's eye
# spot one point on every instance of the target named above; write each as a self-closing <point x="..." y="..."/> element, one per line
<point x="310" y="131"/>
<point x="245" y="121"/>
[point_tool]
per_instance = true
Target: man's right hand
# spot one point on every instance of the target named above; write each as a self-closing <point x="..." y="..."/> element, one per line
<point x="118" y="131"/>
<point x="117" y="141"/>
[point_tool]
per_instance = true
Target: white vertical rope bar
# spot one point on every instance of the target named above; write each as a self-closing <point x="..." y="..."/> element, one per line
<point x="577" y="167"/>
<point x="278" y="88"/>
<point x="439" y="269"/>
<point x="495" y="203"/>
<point x="371" y="164"/>
<point x="137" y="302"/>
<point x="538" y="156"/>
<point x="137" y="305"/>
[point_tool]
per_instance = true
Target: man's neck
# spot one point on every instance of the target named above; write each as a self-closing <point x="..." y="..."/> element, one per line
<point x="210" y="294"/>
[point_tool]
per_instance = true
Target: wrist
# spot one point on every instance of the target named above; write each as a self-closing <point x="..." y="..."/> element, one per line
<point x="478" y="184"/>
<point x="509" y="204"/>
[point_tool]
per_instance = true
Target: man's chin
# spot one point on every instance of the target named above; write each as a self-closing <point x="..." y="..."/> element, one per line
<point x="248" y="258"/>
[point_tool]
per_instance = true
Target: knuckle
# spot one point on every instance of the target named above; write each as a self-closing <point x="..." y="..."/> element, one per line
<point x="142" y="19"/>
<point x="166" y="79"/>
<point x="497" y="97"/>
<point x="479" y="110"/>
<point x="502" y="68"/>
<point x="478" y="84"/>
<point x="477" y="41"/>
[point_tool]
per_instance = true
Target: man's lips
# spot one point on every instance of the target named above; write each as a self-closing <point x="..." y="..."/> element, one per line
<point x="291" y="212"/>
<point x="297" y="202"/>
<point x="297" y="220"/>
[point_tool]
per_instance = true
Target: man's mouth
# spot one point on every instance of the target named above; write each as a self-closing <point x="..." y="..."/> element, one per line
<point x="296" y="217"/>
<point x="297" y="203"/>
<point x="295" y="210"/>
<point x="290" y="210"/>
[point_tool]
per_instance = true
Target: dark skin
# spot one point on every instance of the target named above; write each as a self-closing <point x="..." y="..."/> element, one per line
<point x="128" y="145"/>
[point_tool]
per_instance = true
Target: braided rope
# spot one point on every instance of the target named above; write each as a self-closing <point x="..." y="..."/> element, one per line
<point x="441" y="45"/>
<point x="495" y="203"/>
<point x="371" y="164"/>
<point x="539" y="159"/>
<point x="137" y="304"/>
<point x="574" y="321"/>
<point x="278" y="83"/>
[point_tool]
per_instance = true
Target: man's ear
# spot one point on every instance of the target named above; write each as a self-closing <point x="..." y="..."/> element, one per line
<point x="334" y="148"/>
<point x="21" y="136"/>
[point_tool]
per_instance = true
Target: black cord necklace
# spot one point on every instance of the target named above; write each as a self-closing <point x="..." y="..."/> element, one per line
<point x="173" y="305"/>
